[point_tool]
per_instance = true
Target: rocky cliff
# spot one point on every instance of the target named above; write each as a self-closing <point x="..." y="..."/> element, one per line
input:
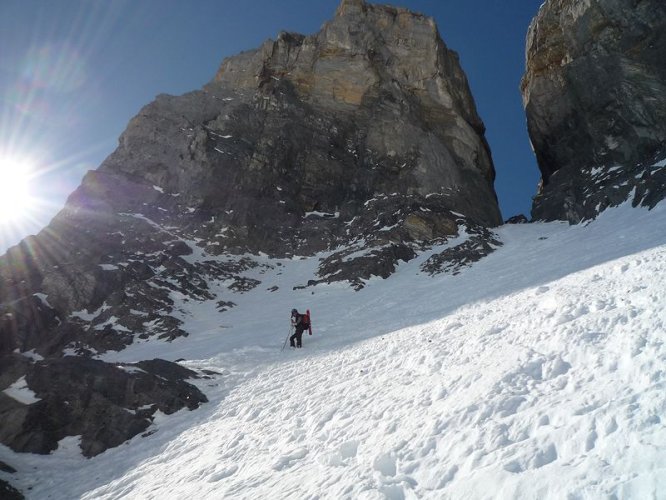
<point x="373" y="103"/>
<point x="362" y="141"/>
<point x="398" y="112"/>
<point x="595" y="96"/>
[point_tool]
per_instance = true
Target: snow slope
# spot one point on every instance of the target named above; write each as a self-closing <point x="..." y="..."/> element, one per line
<point x="540" y="372"/>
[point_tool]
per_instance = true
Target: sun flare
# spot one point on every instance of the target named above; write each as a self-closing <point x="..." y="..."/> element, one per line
<point x="15" y="200"/>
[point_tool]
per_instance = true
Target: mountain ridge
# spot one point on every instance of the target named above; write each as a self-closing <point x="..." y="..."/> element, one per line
<point x="371" y="151"/>
<point x="326" y="172"/>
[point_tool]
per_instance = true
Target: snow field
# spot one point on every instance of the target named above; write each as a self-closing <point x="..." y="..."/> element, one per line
<point x="554" y="392"/>
<point x="537" y="373"/>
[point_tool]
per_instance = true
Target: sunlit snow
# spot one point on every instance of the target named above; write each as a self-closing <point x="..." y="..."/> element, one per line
<point x="539" y="372"/>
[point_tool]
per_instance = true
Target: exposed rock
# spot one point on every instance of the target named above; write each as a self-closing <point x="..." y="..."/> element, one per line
<point x="26" y="323"/>
<point x="595" y="97"/>
<point x="581" y="195"/>
<point x="387" y="106"/>
<point x="8" y="492"/>
<point x="6" y="468"/>
<point x="480" y="243"/>
<point x="517" y="219"/>
<point x="225" y="305"/>
<point x="285" y="153"/>
<point x="390" y="229"/>
<point x="137" y="300"/>
<point x="103" y="403"/>
<point x="362" y="140"/>
<point x="374" y="261"/>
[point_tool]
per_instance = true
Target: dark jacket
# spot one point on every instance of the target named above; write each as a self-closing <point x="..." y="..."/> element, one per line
<point x="300" y="320"/>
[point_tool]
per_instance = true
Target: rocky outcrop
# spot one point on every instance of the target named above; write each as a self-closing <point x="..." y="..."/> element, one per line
<point x="399" y="116"/>
<point x="286" y="152"/>
<point x="8" y="492"/>
<point x="373" y="103"/>
<point x="362" y="140"/>
<point x="105" y="404"/>
<point x="594" y="93"/>
<point x="480" y="243"/>
<point x="517" y="219"/>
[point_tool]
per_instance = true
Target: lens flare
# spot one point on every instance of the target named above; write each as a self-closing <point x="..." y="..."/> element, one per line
<point x="15" y="198"/>
<point x="57" y="67"/>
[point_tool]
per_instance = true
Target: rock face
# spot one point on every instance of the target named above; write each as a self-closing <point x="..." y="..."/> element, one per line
<point x="595" y="97"/>
<point x="373" y="103"/>
<point x="387" y="106"/>
<point x="8" y="492"/>
<point x="364" y="135"/>
<point x="362" y="140"/>
<point x="103" y="403"/>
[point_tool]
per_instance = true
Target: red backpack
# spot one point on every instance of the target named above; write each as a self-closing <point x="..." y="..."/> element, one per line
<point x="307" y="322"/>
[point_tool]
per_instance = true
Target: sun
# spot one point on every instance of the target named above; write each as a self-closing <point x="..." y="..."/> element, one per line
<point x="15" y="198"/>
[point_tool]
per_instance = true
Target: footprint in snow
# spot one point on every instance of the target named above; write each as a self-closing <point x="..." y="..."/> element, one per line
<point x="453" y="327"/>
<point x="509" y="406"/>
<point x="554" y="367"/>
<point x="639" y="345"/>
<point x="438" y="392"/>
<point x="392" y="492"/>
<point x="649" y="421"/>
<point x="591" y="440"/>
<point x="349" y="449"/>
<point x="587" y="408"/>
<point x="496" y="329"/>
<point x="611" y="426"/>
<point x="326" y="418"/>
<point x="436" y="478"/>
<point x="287" y="460"/>
<point x="223" y="473"/>
<point x="340" y="457"/>
<point x="384" y="463"/>
<point x="540" y="458"/>
<point x="544" y="456"/>
<point x="592" y="337"/>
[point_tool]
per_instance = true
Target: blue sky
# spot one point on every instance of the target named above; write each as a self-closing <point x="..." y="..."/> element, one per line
<point x="74" y="72"/>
